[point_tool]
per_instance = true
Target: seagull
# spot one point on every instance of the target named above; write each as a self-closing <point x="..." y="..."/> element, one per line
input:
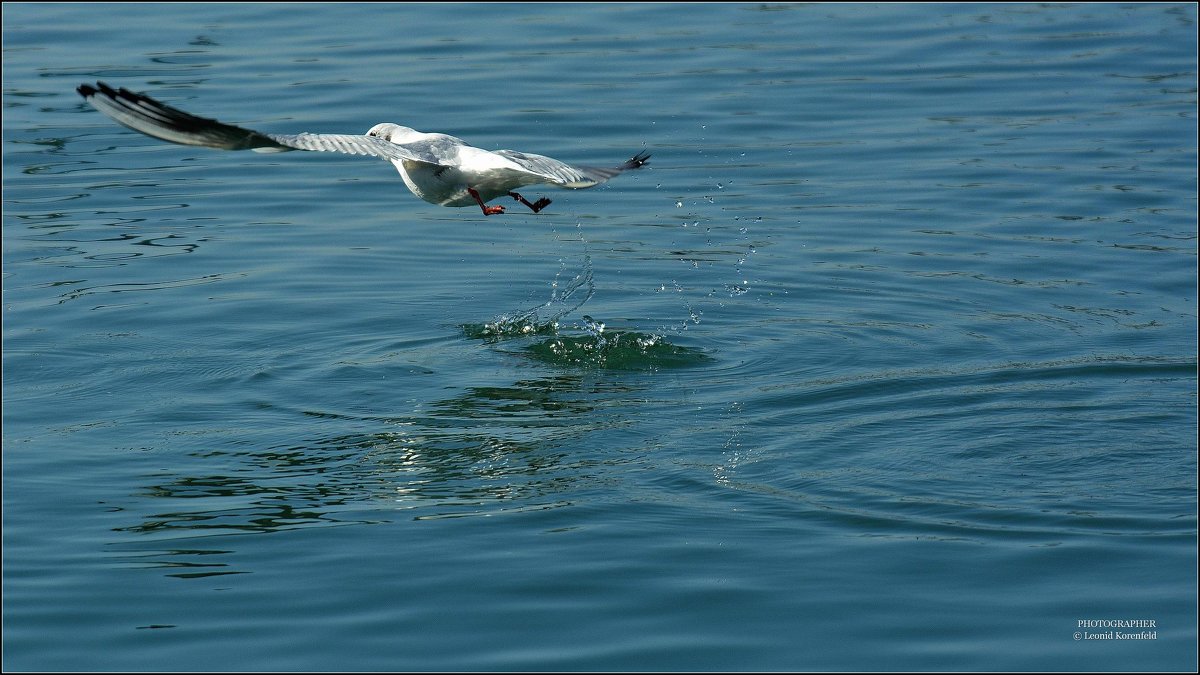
<point x="438" y="168"/>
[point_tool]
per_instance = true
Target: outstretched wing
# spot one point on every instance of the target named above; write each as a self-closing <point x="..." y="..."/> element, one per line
<point x="153" y="118"/>
<point x="561" y="173"/>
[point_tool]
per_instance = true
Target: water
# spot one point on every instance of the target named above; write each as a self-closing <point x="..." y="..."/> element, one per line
<point x="887" y="360"/>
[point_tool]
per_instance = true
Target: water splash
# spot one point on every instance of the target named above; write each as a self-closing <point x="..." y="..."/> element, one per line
<point x="589" y="343"/>
<point x="542" y="319"/>
<point x="593" y="327"/>
<point x="617" y="350"/>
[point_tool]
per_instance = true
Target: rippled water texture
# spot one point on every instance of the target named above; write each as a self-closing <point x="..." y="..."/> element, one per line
<point x="886" y="361"/>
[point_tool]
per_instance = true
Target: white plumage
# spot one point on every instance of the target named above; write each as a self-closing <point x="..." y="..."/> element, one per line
<point x="438" y="168"/>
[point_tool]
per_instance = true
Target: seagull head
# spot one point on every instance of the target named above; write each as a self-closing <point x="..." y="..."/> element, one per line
<point x="394" y="133"/>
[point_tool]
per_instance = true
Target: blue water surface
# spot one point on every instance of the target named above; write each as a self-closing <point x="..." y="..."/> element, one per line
<point x="885" y="361"/>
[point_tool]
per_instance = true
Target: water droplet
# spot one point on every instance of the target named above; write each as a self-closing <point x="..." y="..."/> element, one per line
<point x="592" y="326"/>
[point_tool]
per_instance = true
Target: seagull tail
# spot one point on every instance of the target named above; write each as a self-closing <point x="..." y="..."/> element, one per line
<point x="635" y="162"/>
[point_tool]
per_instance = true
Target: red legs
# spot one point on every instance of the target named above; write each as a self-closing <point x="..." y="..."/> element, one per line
<point x="494" y="210"/>
<point x="536" y="206"/>
<point x="487" y="210"/>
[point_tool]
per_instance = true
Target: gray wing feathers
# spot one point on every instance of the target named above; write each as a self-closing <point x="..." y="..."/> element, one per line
<point x="566" y="175"/>
<point x="349" y="144"/>
<point x="153" y="118"/>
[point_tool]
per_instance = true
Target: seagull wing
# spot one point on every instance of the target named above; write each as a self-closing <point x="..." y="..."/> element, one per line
<point x="561" y="173"/>
<point x="153" y="118"/>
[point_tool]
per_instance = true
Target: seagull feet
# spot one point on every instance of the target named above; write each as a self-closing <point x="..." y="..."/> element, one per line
<point x="497" y="210"/>
<point x="487" y="210"/>
<point x="535" y="206"/>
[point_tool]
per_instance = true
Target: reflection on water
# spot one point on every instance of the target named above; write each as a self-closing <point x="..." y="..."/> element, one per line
<point x="485" y="450"/>
<point x="491" y="445"/>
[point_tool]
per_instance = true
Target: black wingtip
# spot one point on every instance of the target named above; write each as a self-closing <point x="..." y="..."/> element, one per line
<point x="87" y="91"/>
<point x="636" y="161"/>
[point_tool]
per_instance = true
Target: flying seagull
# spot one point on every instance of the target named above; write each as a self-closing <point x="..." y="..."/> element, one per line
<point x="438" y="168"/>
